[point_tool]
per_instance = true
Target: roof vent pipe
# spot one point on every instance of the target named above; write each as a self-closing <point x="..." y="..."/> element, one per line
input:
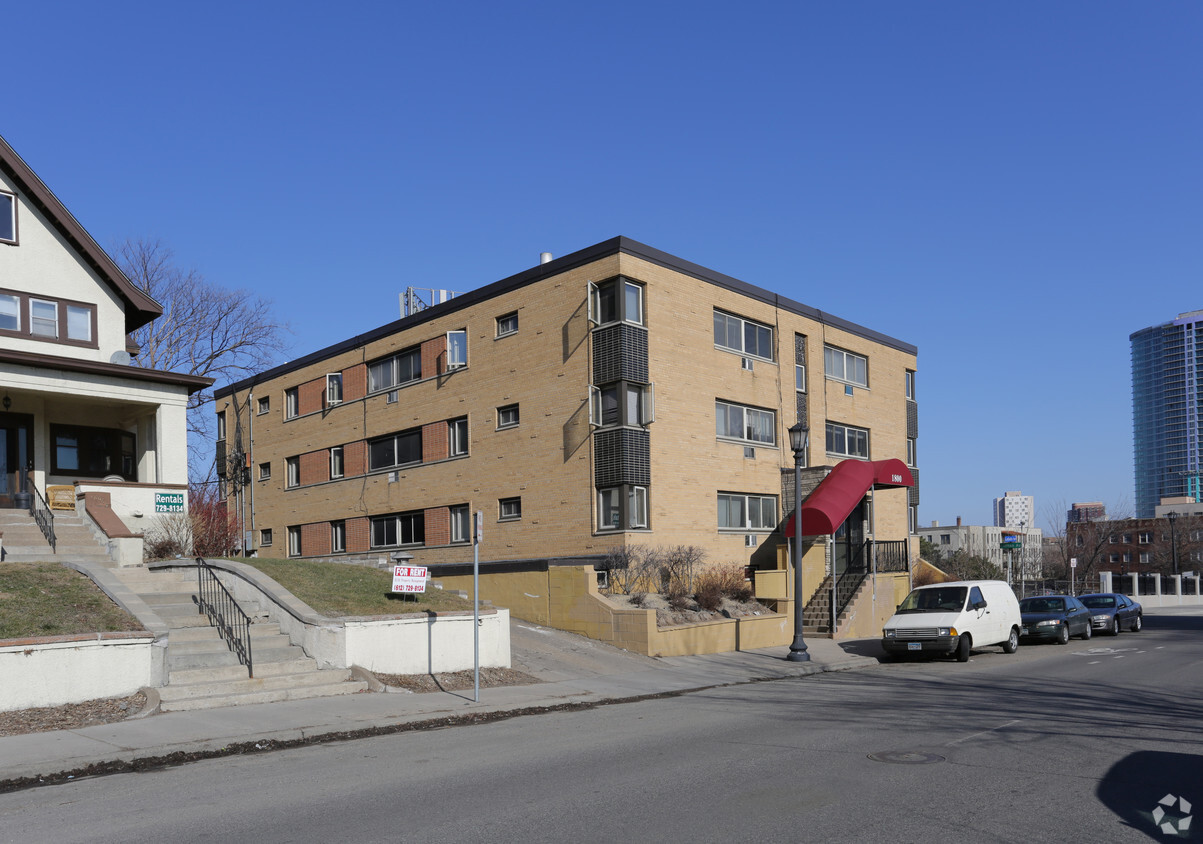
<point x="544" y="257"/>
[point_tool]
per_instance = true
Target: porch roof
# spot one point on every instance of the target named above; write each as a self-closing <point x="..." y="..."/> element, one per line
<point x="825" y="509"/>
<point x="193" y="383"/>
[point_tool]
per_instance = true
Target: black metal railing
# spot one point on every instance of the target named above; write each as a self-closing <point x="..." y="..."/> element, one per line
<point x="891" y="556"/>
<point x="849" y="581"/>
<point x="233" y="625"/>
<point x="42" y="516"/>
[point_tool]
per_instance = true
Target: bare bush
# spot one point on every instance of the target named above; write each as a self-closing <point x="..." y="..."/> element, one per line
<point x="168" y="536"/>
<point x="206" y="530"/>
<point x="677" y="565"/>
<point x="725" y="581"/>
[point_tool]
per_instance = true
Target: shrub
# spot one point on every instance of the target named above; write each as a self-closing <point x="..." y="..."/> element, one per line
<point x="718" y="582"/>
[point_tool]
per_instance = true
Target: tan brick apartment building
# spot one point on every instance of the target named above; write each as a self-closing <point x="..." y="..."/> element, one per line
<point x="617" y="395"/>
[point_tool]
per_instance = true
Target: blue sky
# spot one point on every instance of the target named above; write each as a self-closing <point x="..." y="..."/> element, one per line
<point x="1012" y="187"/>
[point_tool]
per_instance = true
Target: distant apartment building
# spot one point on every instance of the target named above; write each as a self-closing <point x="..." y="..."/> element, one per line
<point x="1171" y="540"/>
<point x="1088" y="511"/>
<point x="1167" y="411"/>
<point x="612" y="397"/>
<point x="1014" y="510"/>
<point x="986" y="541"/>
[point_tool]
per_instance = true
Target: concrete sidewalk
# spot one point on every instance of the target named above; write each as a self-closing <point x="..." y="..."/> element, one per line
<point x="594" y="678"/>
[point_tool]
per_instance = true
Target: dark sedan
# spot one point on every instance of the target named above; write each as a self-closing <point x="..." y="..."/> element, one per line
<point x="1054" y="618"/>
<point x="1112" y="612"/>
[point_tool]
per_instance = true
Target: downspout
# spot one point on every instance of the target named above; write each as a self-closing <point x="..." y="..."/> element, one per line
<point x="250" y="429"/>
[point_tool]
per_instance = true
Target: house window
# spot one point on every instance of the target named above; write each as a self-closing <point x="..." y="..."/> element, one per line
<point x="743" y="336"/>
<point x="622" y="403"/>
<point x="1127" y="539"/>
<point x="221" y="425"/>
<point x="399" y="529"/>
<point x="8" y="217"/>
<point x="393" y="371"/>
<point x="264" y="405"/>
<point x="746" y="424"/>
<point x="1146" y="557"/>
<point x="294" y="542"/>
<point x="457" y="437"/>
<point x="457" y="349"/>
<point x="622" y="507"/>
<point x="746" y="512"/>
<point x="265" y="471"/>
<point x="509" y="509"/>
<point x="800" y="378"/>
<point x="292" y="466"/>
<point x="910" y="452"/>
<point x="616" y="301"/>
<point x="336" y="462"/>
<point x="292" y="403"/>
<point x="1127" y="557"/>
<point x="395" y="450"/>
<point x="43" y="318"/>
<point x="1114" y="558"/>
<point x="334" y="388"/>
<point x="507" y="324"/>
<point x="946" y="539"/>
<point x="10" y="311"/>
<point x="910" y="384"/>
<point x="79" y="323"/>
<point x="846" y="366"/>
<point x="338" y="537"/>
<point x="1144" y="538"/>
<point x="847" y="441"/>
<point x="507" y="417"/>
<point x="460" y="524"/>
<point x="265" y="537"/>
<point x="93" y="452"/>
<point x="1112" y="540"/>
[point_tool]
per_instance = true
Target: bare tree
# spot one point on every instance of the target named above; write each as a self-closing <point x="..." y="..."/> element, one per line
<point x="205" y="330"/>
<point x="1085" y="542"/>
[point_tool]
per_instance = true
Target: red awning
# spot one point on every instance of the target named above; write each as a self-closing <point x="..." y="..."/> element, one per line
<point x="825" y="509"/>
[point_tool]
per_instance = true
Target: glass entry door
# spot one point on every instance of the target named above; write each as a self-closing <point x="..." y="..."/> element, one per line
<point x="849" y="537"/>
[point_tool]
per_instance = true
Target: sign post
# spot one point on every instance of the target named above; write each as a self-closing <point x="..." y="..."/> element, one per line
<point x="477" y="533"/>
<point x="1073" y="564"/>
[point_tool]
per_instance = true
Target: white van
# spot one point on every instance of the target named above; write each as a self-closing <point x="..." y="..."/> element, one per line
<point x="947" y="618"/>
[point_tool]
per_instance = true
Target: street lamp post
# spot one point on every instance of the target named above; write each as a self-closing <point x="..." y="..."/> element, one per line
<point x="799" y="437"/>
<point x="1173" y="517"/>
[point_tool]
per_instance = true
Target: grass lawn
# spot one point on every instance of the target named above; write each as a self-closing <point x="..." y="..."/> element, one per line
<point x="47" y="599"/>
<point x="336" y="589"/>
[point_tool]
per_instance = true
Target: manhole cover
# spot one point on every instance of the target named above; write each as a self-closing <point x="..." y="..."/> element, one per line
<point x="906" y="757"/>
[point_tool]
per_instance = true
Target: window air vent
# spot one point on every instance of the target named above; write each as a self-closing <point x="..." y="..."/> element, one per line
<point x="749" y="452"/>
<point x="391" y="398"/>
<point x="847" y="389"/>
<point x="392" y="477"/>
<point x="750" y="540"/>
<point x="747" y="363"/>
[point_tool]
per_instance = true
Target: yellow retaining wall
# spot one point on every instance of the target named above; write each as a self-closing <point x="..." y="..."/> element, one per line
<point x="874" y="607"/>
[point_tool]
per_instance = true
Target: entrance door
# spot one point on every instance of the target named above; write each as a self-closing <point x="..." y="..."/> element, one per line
<point x="15" y="448"/>
<point x="849" y="537"/>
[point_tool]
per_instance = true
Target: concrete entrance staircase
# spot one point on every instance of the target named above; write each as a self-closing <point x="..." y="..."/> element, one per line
<point x="816" y="617"/>
<point x="202" y="671"/>
<point x="23" y="541"/>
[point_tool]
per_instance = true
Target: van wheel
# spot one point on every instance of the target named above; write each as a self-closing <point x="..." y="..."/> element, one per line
<point x="963" y="646"/>
<point x="1012" y="644"/>
<point x="1088" y="632"/>
<point x="1063" y="635"/>
<point x="1137" y="623"/>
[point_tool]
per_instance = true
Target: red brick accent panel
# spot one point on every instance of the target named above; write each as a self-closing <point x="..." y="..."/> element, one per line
<point x="315" y="539"/>
<point x="355" y="382"/>
<point x="438" y="525"/>
<point x="310" y="395"/>
<point x="359" y="535"/>
<point x="434" y="442"/>
<point x="355" y="462"/>
<point x="315" y="467"/>
<point x="434" y="356"/>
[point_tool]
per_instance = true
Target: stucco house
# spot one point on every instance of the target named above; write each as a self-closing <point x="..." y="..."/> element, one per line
<point x="82" y="427"/>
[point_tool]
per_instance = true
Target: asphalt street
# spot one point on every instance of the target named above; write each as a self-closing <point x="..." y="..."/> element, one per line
<point x="1083" y="742"/>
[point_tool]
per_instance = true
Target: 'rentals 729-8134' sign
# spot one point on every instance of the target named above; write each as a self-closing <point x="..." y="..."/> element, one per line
<point x="169" y="502"/>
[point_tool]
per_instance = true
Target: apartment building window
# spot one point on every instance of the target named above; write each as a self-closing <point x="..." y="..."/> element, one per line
<point x="746" y="424"/>
<point x="393" y="371"/>
<point x="263" y="405"/>
<point x="1127" y="539"/>
<point x="1112" y="540"/>
<point x="743" y="335"/>
<point x="946" y="539"/>
<point x="334" y="388"/>
<point x="265" y="471"/>
<point x="398" y="529"/>
<point x="1144" y="538"/>
<point x="461" y="530"/>
<point x="622" y="507"/>
<point x="911" y="456"/>
<point x="336" y="462"/>
<point x="847" y="367"/>
<point x="294" y="542"/>
<point x="92" y="452"/>
<point x="507" y="416"/>
<point x="338" y="537"/>
<point x="8" y="217"/>
<point x="292" y="466"/>
<point x="1146" y="557"/>
<point x="800" y="378"/>
<point x="913" y="519"/>
<point x="746" y="512"/>
<point x="221" y="425"/>
<point x="457" y="349"/>
<point x="265" y="537"/>
<point x="292" y="403"/>
<point x="395" y="450"/>
<point x="910" y="384"/>
<point x="1127" y="557"/>
<point x="457" y="437"/>
<point x="616" y="301"/>
<point x="623" y="403"/>
<point x="509" y="509"/>
<point x="847" y="441"/>
<point x="507" y="324"/>
<point x="1114" y="558"/>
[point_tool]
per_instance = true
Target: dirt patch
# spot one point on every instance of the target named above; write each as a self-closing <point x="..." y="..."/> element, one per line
<point x="72" y="716"/>
<point x="457" y="681"/>
<point x="691" y="613"/>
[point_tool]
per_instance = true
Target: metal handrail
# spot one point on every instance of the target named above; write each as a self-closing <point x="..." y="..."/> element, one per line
<point x="233" y="625"/>
<point x="891" y="556"/>
<point x="40" y="510"/>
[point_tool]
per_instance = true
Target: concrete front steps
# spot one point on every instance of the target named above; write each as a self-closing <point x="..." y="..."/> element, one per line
<point x="203" y="673"/>
<point x="816" y="617"/>
<point x="23" y="541"/>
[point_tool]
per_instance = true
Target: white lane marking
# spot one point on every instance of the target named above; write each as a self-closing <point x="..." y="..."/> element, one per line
<point x="982" y="733"/>
<point x="1094" y="662"/>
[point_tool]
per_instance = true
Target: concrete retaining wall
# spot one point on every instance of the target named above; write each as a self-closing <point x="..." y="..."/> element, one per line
<point x="54" y="670"/>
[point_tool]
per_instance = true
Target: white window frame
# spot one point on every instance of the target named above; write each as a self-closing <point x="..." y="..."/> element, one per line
<point x="743" y="324"/>
<point x="73" y="324"/>
<point x="835" y="358"/>
<point x="722" y="416"/>
<point x="221" y="425"/>
<point x="265" y="537"/>
<point x="338" y="537"/>
<point x="910" y="384"/>
<point x="800" y="377"/>
<point x="10" y="200"/>
<point x="265" y="471"/>
<point x="337" y="459"/>
<point x="505" y="410"/>
<point x="911" y="452"/>
<point x="635" y="403"/>
<point x="748" y="523"/>
<point x="457" y="353"/>
<point x="461" y="523"/>
<point x="294" y="541"/>
<point x="513" y="505"/>
<point x="292" y="472"/>
<point x="622" y="303"/>
<point x="622" y="507"/>
<point x="457" y="437"/>
<point x="292" y="403"/>
<point x="637" y="507"/>
<point x="334" y="388"/>
<point x="264" y="405"/>
<point x="15" y="313"/>
<point x="34" y="319"/>
<point x="504" y="321"/>
<point x="847" y="452"/>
